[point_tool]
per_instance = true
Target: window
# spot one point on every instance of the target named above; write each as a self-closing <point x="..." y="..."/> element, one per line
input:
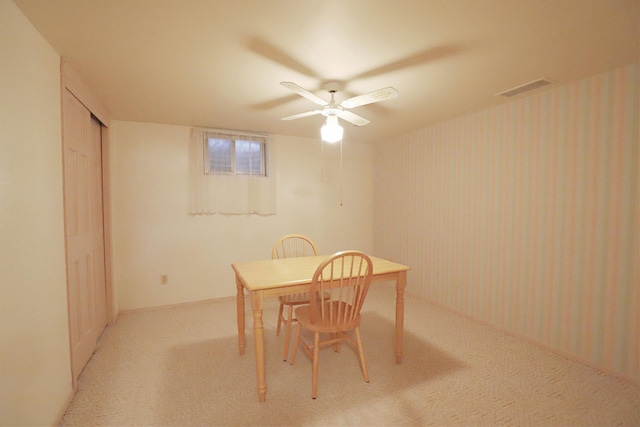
<point x="231" y="155"/>
<point x="231" y="173"/>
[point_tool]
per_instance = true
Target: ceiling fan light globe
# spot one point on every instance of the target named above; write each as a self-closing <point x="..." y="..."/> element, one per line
<point x="331" y="131"/>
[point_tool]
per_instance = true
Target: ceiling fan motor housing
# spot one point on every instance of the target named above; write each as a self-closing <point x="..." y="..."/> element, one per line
<point x="331" y="110"/>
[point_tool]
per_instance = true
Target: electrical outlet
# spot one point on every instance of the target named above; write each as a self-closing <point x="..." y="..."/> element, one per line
<point x="164" y="279"/>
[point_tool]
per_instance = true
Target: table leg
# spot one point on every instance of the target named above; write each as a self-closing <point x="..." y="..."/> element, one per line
<point x="242" y="343"/>
<point x="401" y="283"/>
<point x="257" y="299"/>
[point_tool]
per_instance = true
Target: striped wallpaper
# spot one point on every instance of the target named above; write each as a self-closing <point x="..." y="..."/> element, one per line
<point x="525" y="216"/>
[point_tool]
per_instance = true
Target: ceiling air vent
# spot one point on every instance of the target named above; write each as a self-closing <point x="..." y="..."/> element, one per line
<point x="525" y="87"/>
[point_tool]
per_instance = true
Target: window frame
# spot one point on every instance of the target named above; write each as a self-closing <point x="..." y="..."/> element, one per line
<point x="235" y="139"/>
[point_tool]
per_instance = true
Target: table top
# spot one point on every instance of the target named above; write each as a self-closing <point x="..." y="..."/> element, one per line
<point x="284" y="272"/>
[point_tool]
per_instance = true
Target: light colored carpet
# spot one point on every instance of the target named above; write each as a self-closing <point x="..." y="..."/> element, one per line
<point x="180" y="366"/>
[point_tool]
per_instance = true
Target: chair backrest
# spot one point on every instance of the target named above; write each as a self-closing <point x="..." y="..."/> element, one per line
<point x="292" y="246"/>
<point x="341" y="283"/>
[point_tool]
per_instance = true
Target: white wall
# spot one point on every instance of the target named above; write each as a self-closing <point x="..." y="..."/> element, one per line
<point x="35" y="374"/>
<point x="153" y="233"/>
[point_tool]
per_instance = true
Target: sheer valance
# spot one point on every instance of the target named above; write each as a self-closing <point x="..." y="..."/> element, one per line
<point x="229" y="193"/>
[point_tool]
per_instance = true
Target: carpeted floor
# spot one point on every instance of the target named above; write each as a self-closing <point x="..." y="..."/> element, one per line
<point x="180" y="366"/>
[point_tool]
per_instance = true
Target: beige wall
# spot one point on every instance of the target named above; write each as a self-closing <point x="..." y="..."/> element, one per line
<point x="525" y="216"/>
<point x="521" y="216"/>
<point x="153" y="233"/>
<point x="35" y="374"/>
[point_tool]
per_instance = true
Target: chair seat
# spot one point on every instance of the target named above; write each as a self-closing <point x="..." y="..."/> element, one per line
<point x="328" y="324"/>
<point x="291" y="246"/>
<point x="295" y="299"/>
<point x="342" y="281"/>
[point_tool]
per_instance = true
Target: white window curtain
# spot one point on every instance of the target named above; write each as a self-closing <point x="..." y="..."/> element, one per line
<point x="229" y="193"/>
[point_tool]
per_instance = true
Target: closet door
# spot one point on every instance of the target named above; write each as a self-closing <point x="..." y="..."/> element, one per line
<point x="84" y="229"/>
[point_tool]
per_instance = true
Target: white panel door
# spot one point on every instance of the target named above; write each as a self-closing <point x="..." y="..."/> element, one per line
<point x="84" y="229"/>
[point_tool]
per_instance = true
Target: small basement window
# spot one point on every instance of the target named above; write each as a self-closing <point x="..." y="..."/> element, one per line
<point x="231" y="173"/>
<point x="234" y="154"/>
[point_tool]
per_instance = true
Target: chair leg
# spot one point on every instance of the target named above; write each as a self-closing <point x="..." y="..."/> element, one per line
<point x="363" y="362"/>
<point x="314" y="373"/>
<point x="287" y="334"/>
<point x="336" y="345"/>
<point x="279" y="319"/>
<point x="295" y="344"/>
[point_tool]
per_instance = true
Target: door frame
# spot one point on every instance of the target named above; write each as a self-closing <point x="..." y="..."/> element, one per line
<point x="70" y="80"/>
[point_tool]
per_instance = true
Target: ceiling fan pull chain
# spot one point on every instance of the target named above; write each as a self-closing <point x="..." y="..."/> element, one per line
<point x="341" y="173"/>
<point x="321" y="160"/>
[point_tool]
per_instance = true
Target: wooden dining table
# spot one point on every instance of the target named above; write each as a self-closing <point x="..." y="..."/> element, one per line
<point x="275" y="277"/>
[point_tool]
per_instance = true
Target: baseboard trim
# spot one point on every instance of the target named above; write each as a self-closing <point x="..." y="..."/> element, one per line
<point x="63" y="408"/>
<point x="518" y="335"/>
<point x="180" y="304"/>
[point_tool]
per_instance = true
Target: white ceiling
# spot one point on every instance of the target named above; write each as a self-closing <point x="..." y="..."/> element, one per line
<point x="218" y="63"/>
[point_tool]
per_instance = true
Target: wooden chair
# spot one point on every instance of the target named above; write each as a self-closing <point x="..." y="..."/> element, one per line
<point x="342" y="283"/>
<point x="291" y="246"/>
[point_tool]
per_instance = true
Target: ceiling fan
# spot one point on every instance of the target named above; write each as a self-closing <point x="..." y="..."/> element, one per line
<point x="331" y="110"/>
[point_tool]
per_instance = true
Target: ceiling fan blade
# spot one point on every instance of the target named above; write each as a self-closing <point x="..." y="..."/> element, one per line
<point x="305" y="93"/>
<point x="352" y="118"/>
<point x="371" y="97"/>
<point x="301" y="115"/>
